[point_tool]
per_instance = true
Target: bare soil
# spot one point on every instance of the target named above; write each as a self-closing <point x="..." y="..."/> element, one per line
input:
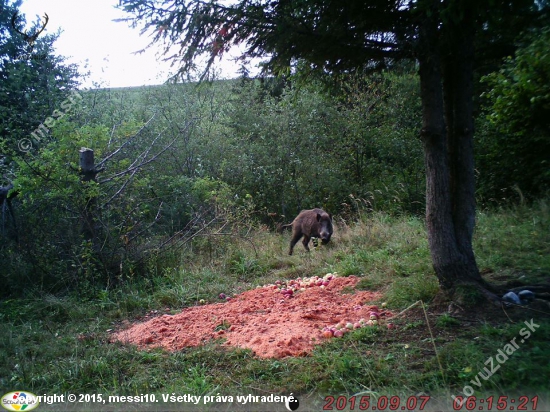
<point x="264" y="320"/>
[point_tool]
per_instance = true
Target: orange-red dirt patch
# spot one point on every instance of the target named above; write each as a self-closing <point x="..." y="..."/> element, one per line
<point x="264" y="320"/>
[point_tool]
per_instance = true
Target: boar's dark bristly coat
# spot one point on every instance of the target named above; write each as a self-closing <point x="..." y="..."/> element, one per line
<point x="310" y="223"/>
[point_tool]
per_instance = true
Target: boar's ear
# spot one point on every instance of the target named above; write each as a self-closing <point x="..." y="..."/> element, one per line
<point x="318" y="217"/>
<point x="330" y="217"/>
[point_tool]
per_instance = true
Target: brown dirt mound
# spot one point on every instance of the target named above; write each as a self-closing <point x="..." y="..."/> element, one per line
<point x="262" y="319"/>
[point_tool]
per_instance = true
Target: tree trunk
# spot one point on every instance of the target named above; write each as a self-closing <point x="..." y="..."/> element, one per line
<point x="458" y="71"/>
<point x="446" y="134"/>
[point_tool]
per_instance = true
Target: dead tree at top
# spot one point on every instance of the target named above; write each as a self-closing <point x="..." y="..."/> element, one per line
<point x="29" y="38"/>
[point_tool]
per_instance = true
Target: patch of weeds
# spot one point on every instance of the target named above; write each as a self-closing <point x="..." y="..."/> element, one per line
<point x="196" y="381"/>
<point x="413" y="325"/>
<point x="405" y="291"/>
<point x="516" y="237"/>
<point x="240" y="264"/>
<point x="459" y="359"/>
<point x="371" y="334"/>
<point x="350" y="265"/>
<point x="370" y="282"/>
<point x="225" y="325"/>
<point x="446" y="321"/>
<point x="468" y="295"/>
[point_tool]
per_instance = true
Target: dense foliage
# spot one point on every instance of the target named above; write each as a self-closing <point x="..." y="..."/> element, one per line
<point x="185" y="165"/>
<point x="515" y="135"/>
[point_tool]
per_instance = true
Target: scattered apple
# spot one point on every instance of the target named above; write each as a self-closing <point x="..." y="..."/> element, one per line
<point x="327" y="333"/>
<point x="222" y="296"/>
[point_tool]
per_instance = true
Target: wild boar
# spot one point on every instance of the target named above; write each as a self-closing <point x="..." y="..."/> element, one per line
<point x="310" y="223"/>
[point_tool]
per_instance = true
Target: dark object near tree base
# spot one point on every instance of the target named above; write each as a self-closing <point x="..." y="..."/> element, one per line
<point x="522" y="298"/>
<point x="526" y="295"/>
<point x="310" y="223"/>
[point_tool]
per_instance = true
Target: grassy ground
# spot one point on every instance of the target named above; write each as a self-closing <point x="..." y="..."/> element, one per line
<point x="61" y="344"/>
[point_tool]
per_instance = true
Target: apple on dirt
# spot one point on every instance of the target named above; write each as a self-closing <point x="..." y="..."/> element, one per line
<point x="287" y="292"/>
<point x="327" y="333"/>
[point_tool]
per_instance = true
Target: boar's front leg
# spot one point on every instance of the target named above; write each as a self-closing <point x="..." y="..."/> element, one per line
<point x="305" y="242"/>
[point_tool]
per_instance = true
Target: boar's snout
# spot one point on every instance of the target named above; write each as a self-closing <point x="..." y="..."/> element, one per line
<point x="325" y="228"/>
<point x="325" y="236"/>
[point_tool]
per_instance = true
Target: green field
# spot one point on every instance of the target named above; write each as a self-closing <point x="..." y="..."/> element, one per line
<point x="53" y="344"/>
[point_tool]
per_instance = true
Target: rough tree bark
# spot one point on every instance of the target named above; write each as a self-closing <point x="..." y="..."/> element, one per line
<point x="458" y="73"/>
<point x="446" y="87"/>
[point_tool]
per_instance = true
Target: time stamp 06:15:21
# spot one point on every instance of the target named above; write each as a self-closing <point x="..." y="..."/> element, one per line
<point x="394" y="403"/>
